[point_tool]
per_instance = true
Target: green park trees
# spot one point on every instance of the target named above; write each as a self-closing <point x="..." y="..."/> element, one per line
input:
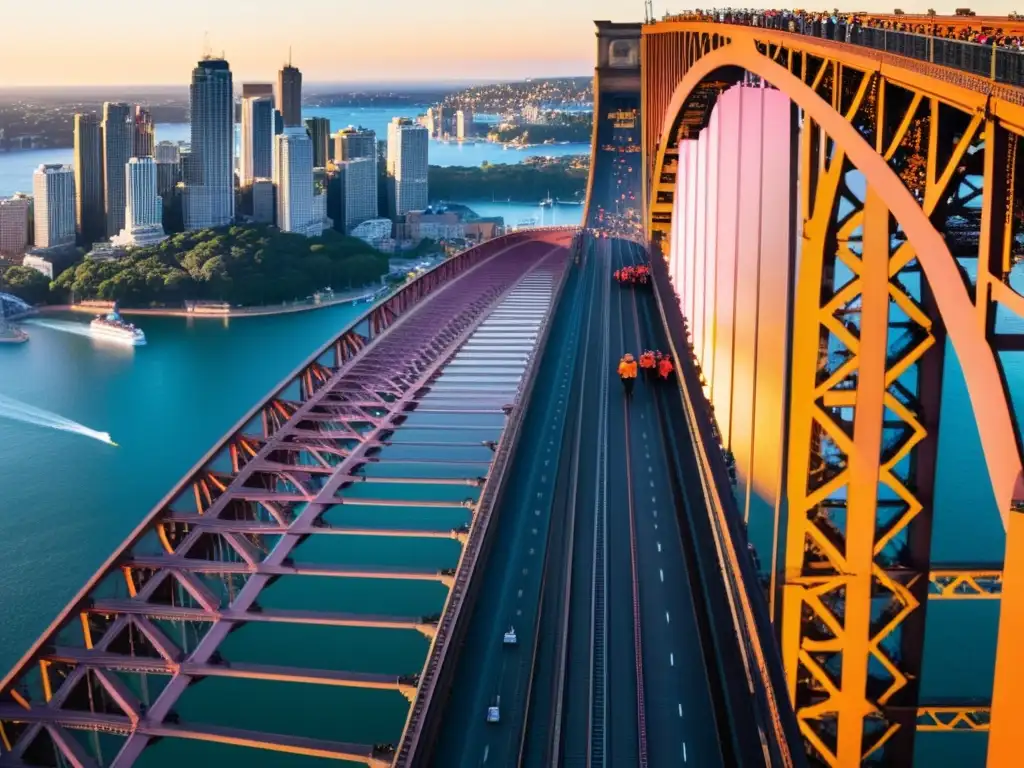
<point x="247" y="265"/>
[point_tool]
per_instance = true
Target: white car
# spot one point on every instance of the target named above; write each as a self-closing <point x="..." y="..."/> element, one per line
<point x="493" y="712"/>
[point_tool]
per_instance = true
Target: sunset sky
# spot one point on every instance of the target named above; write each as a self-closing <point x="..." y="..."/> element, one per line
<point x="124" y="42"/>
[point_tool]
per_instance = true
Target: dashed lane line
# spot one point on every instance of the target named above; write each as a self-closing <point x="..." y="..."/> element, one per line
<point x="661" y="573"/>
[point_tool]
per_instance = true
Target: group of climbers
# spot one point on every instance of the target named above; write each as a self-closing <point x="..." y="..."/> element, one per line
<point x="654" y="364"/>
<point x="638" y="274"/>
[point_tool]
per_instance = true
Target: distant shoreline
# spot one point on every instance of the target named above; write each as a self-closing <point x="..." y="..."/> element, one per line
<point x="265" y="311"/>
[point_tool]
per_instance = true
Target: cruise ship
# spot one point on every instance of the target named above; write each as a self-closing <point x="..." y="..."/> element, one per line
<point x="113" y="328"/>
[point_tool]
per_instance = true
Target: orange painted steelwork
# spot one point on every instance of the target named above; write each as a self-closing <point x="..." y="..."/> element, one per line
<point x="831" y="600"/>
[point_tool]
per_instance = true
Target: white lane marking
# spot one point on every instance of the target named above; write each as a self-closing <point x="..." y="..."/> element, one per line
<point x="654" y="499"/>
<point x="543" y="478"/>
<point x="684" y="748"/>
<point x="531" y="550"/>
<point x="652" y="482"/>
<point x="680" y="710"/>
<point x="537" y="511"/>
<point x="667" y="621"/>
<point x="671" y="659"/>
<point x="519" y="593"/>
<point x="659" y="546"/>
<point x="655" y="526"/>
<point x="645" y="435"/>
<point x="661" y="573"/>
<point x="655" y="513"/>
<point x="546" y="462"/>
<point x="487" y="751"/>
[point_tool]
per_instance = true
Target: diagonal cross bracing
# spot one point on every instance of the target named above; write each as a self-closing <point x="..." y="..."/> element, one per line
<point x="320" y="454"/>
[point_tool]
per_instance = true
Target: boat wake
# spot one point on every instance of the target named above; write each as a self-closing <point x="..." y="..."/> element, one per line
<point x="16" y="410"/>
<point x="65" y="326"/>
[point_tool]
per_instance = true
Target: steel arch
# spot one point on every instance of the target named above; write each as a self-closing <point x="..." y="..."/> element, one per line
<point x="958" y="312"/>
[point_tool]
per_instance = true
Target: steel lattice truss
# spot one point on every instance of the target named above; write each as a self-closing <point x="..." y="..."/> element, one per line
<point x="929" y="249"/>
<point x="202" y="560"/>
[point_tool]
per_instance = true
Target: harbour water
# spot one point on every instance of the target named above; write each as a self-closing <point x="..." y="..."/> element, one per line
<point x="16" y="167"/>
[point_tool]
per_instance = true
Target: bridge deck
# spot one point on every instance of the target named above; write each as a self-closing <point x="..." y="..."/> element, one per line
<point x="217" y="634"/>
<point x="609" y="667"/>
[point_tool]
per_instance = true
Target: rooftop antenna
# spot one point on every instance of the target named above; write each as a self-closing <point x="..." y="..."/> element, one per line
<point x="649" y="11"/>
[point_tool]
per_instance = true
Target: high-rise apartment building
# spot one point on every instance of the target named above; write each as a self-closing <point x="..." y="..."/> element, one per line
<point x="144" y="208"/>
<point x="90" y="220"/>
<point x="14" y="224"/>
<point x="252" y="90"/>
<point x="353" y="198"/>
<point x="167" y="152"/>
<point x="257" y="152"/>
<point x="464" y="124"/>
<point x="53" y="187"/>
<point x="168" y="175"/>
<point x="263" y="201"/>
<point x="145" y="133"/>
<point x="351" y="143"/>
<point x="293" y="183"/>
<point x="408" y="165"/>
<point x="118" y="144"/>
<point x="210" y="181"/>
<point x="289" y="95"/>
<point x="319" y="130"/>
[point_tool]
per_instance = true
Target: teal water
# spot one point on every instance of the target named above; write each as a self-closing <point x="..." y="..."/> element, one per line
<point x="66" y="501"/>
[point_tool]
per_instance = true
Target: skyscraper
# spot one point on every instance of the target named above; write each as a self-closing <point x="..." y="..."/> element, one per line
<point x="90" y="221"/>
<point x="257" y="158"/>
<point x="210" y="181"/>
<point x="145" y="137"/>
<point x="319" y="130"/>
<point x="289" y="95"/>
<point x="352" y="142"/>
<point x="464" y="124"/>
<point x="408" y="165"/>
<point x="293" y="183"/>
<point x="144" y="209"/>
<point x="118" y="143"/>
<point x="54" y="189"/>
<point x="14" y="224"/>
<point x="354" y="193"/>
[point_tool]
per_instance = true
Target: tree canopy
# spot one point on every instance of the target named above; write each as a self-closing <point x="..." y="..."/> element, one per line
<point x="247" y="265"/>
<point x="26" y="283"/>
<point x="520" y="182"/>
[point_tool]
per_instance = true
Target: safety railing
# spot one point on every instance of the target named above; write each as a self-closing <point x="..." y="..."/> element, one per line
<point x="747" y="614"/>
<point x="1000" y="64"/>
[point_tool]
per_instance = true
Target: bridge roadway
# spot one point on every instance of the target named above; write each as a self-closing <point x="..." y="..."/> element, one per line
<point x="275" y="608"/>
<point x="589" y="542"/>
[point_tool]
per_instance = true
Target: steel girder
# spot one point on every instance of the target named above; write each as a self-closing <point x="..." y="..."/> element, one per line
<point x="205" y="554"/>
<point x="925" y="249"/>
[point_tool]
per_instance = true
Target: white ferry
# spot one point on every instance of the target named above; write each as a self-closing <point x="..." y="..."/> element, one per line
<point x="112" y="327"/>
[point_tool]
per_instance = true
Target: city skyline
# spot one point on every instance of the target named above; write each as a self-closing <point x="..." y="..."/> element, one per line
<point x="532" y="38"/>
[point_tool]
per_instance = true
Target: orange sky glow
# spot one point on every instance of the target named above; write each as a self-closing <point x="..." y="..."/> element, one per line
<point x="71" y="42"/>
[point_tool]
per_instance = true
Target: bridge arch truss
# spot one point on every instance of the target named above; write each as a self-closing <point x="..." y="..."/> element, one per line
<point x="905" y="228"/>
